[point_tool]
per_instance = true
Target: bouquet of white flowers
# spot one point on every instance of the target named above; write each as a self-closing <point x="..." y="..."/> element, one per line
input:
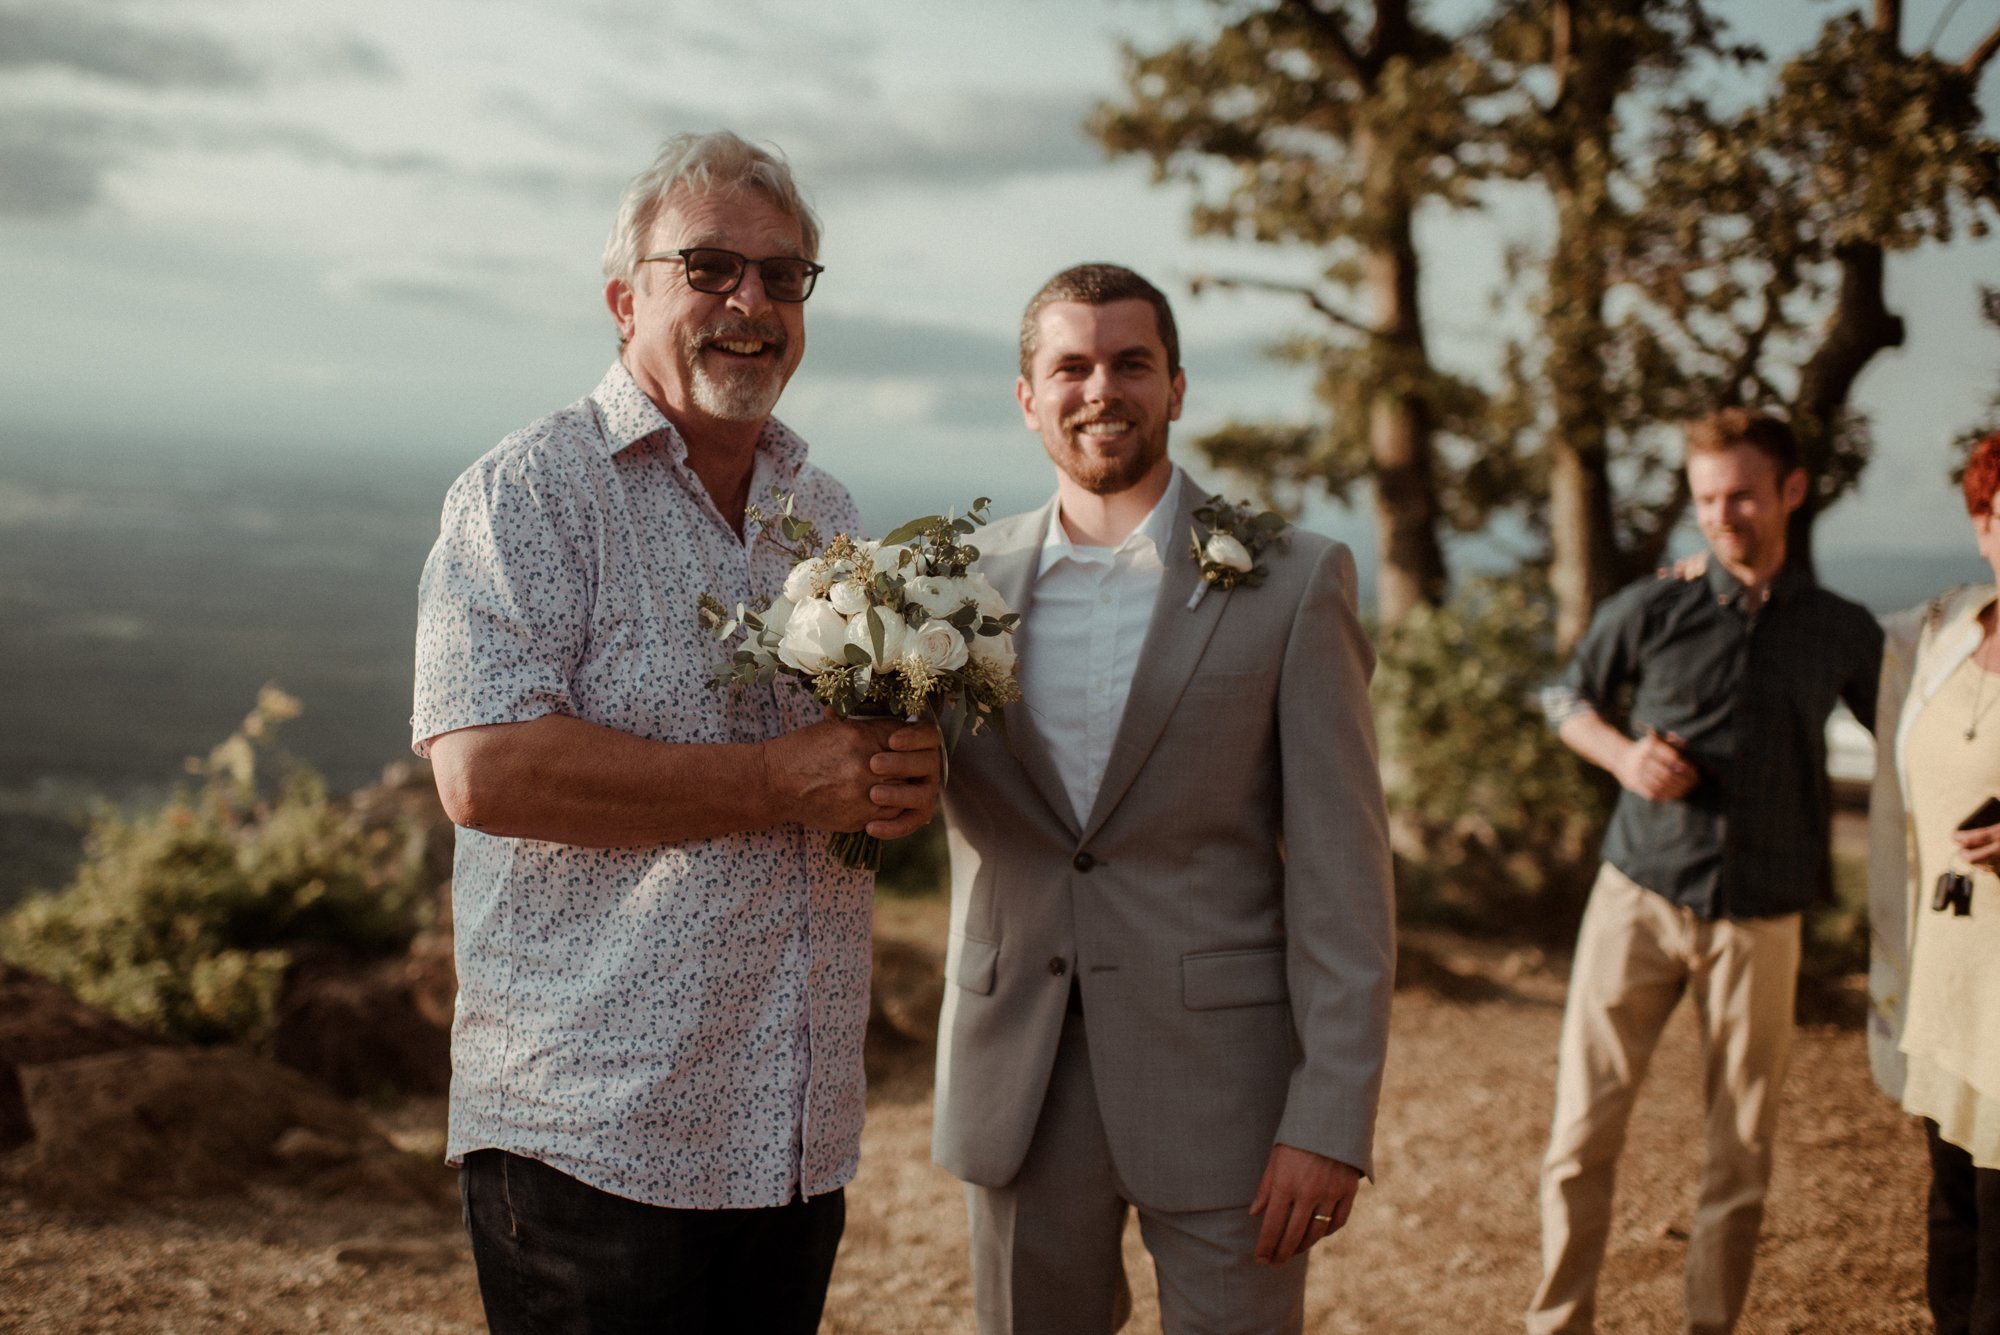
<point x="900" y="628"/>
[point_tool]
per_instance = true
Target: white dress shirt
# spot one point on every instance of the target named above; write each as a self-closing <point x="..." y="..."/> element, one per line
<point x="1080" y="642"/>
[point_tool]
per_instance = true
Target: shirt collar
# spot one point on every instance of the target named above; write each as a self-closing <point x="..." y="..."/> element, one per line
<point x="1728" y="590"/>
<point x="1156" y="530"/>
<point x="632" y="418"/>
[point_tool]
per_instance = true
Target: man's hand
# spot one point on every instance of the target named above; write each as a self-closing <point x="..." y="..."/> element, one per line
<point x="1304" y="1197"/>
<point x="1981" y="846"/>
<point x="909" y="772"/>
<point x="1654" y="768"/>
<point x="851" y="774"/>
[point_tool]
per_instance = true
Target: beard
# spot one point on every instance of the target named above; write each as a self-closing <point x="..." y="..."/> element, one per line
<point x="745" y="391"/>
<point x="1102" y="475"/>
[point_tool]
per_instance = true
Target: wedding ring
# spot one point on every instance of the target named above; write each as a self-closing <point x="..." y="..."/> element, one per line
<point x="1323" y="1218"/>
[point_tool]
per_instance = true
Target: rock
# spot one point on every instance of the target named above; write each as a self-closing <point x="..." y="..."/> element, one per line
<point x="41" y="1022"/>
<point x="903" y="1001"/>
<point x="421" y="1255"/>
<point x="303" y="1145"/>
<point x="368" y="1027"/>
<point x="179" y="1121"/>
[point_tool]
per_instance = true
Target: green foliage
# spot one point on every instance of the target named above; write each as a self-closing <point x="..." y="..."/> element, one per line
<point x="1493" y="817"/>
<point x="184" y="919"/>
<point x="915" y="867"/>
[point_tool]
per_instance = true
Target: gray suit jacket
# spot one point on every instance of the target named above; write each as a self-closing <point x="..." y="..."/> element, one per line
<point x="1226" y="907"/>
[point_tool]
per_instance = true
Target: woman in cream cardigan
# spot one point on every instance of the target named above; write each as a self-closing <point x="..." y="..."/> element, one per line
<point x="1934" y="976"/>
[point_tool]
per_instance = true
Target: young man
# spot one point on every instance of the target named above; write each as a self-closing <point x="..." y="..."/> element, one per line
<point x="1719" y="840"/>
<point x="663" y="974"/>
<point x="1171" y="943"/>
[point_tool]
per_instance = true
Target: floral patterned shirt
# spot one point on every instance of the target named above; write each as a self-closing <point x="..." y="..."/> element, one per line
<point x="680" y="1025"/>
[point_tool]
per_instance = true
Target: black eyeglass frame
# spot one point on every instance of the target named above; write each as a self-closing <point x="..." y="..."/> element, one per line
<point x="743" y="262"/>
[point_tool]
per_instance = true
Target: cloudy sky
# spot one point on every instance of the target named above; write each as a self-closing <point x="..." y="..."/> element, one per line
<point x="365" y="228"/>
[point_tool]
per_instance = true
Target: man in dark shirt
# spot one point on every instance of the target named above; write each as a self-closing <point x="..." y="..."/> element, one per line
<point x="1719" y="841"/>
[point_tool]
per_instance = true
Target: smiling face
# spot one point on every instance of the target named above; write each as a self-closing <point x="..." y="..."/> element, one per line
<point x="1099" y="393"/>
<point x="1742" y="505"/>
<point x="703" y="356"/>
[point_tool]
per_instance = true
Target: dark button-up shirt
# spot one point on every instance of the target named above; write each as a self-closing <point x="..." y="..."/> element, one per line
<point x="1747" y="690"/>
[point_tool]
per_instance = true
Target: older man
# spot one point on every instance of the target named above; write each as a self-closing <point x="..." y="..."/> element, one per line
<point x="663" y="974"/>
<point x="1171" y="929"/>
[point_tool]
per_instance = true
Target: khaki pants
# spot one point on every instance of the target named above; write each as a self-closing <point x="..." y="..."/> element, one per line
<point x="1635" y="955"/>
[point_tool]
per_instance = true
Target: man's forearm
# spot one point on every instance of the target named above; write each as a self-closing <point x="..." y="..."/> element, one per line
<point x="1587" y="734"/>
<point x="567" y="781"/>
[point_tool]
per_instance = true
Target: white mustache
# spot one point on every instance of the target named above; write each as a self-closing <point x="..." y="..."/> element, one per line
<point x="747" y="330"/>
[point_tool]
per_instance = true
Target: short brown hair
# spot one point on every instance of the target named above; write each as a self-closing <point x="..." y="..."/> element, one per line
<point x="1730" y="428"/>
<point x="1098" y="285"/>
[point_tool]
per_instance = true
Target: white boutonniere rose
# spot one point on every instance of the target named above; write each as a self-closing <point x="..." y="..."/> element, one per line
<point x="1228" y="540"/>
<point x="1226" y="552"/>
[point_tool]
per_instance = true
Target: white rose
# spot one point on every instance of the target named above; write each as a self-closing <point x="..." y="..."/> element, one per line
<point x="889" y="560"/>
<point x="939" y="644"/>
<point x="995" y="651"/>
<point x="848" y="597"/>
<point x="1223" y="550"/>
<point x="982" y="592"/>
<point x="814" y="634"/>
<point x="896" y="636"/>
<point x="799" y="581"/>
<point x="939" y="595"/>
<point x="776" y="615"/>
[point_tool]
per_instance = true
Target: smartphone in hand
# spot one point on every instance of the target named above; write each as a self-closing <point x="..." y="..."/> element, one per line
<point x="1987" y="813"/>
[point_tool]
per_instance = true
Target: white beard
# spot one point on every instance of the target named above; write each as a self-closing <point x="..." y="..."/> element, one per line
<point x="749" y="394"/>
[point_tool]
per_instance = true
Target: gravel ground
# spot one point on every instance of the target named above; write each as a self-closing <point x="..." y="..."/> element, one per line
<point x="1445" y="1242"/>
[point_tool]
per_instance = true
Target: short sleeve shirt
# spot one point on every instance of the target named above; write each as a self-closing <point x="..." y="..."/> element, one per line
<point x="1748" y="691"/>
<point x="680" y="1025"/>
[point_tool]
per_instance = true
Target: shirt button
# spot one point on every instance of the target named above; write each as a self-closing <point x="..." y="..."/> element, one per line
<point x="1058" y="966"/>
<point x="1083" y="862"/>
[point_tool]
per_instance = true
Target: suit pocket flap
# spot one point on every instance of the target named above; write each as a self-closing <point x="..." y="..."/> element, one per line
<point x="969" y="962"/>
<point x="1233" y="978"/>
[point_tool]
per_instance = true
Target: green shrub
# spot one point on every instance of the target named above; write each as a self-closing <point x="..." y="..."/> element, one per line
<point x="184" y="919"/>
<point x="1496" y="823"/>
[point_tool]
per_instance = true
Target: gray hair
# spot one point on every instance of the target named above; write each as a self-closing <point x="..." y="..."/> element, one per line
<point x="717" y="163"/>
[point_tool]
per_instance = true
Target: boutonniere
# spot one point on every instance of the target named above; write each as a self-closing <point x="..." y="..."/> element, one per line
<point x="1228" y="539"/>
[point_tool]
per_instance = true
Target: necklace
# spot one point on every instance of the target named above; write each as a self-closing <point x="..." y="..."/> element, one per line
<point x="1978" y="689"/>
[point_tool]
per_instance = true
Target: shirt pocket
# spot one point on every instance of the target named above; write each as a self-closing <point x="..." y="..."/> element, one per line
<point x="971" y="963"/>
<point x="1216" y="979"/>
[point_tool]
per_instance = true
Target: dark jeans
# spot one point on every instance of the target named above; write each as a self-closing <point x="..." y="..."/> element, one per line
<point x="1963" y="1269"/>
<point x="556" y="1257"/>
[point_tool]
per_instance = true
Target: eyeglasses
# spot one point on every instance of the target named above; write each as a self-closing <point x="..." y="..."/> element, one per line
<point x="719" y="272"/>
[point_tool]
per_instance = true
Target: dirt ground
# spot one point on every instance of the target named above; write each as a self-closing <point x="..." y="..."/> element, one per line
<point x="1445" y="1242"/>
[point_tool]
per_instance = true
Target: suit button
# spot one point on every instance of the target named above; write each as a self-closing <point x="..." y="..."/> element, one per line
<point x="1083" y="862"/>
<point x="1058" y="966"/>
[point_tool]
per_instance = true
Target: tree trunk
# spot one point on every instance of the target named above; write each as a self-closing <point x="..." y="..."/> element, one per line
<point x="1860" y="326"/>
<point x="1583" y="545"/>
<point x="1411" y="569"/>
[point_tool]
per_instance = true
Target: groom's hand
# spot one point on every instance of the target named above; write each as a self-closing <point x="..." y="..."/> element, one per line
<point x="907" y="778"/>
<point x="1303" y="1198"/>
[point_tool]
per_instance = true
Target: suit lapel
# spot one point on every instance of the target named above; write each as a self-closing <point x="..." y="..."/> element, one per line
<point x="1175" y="639"/>
<point x="1009" y="560"/>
